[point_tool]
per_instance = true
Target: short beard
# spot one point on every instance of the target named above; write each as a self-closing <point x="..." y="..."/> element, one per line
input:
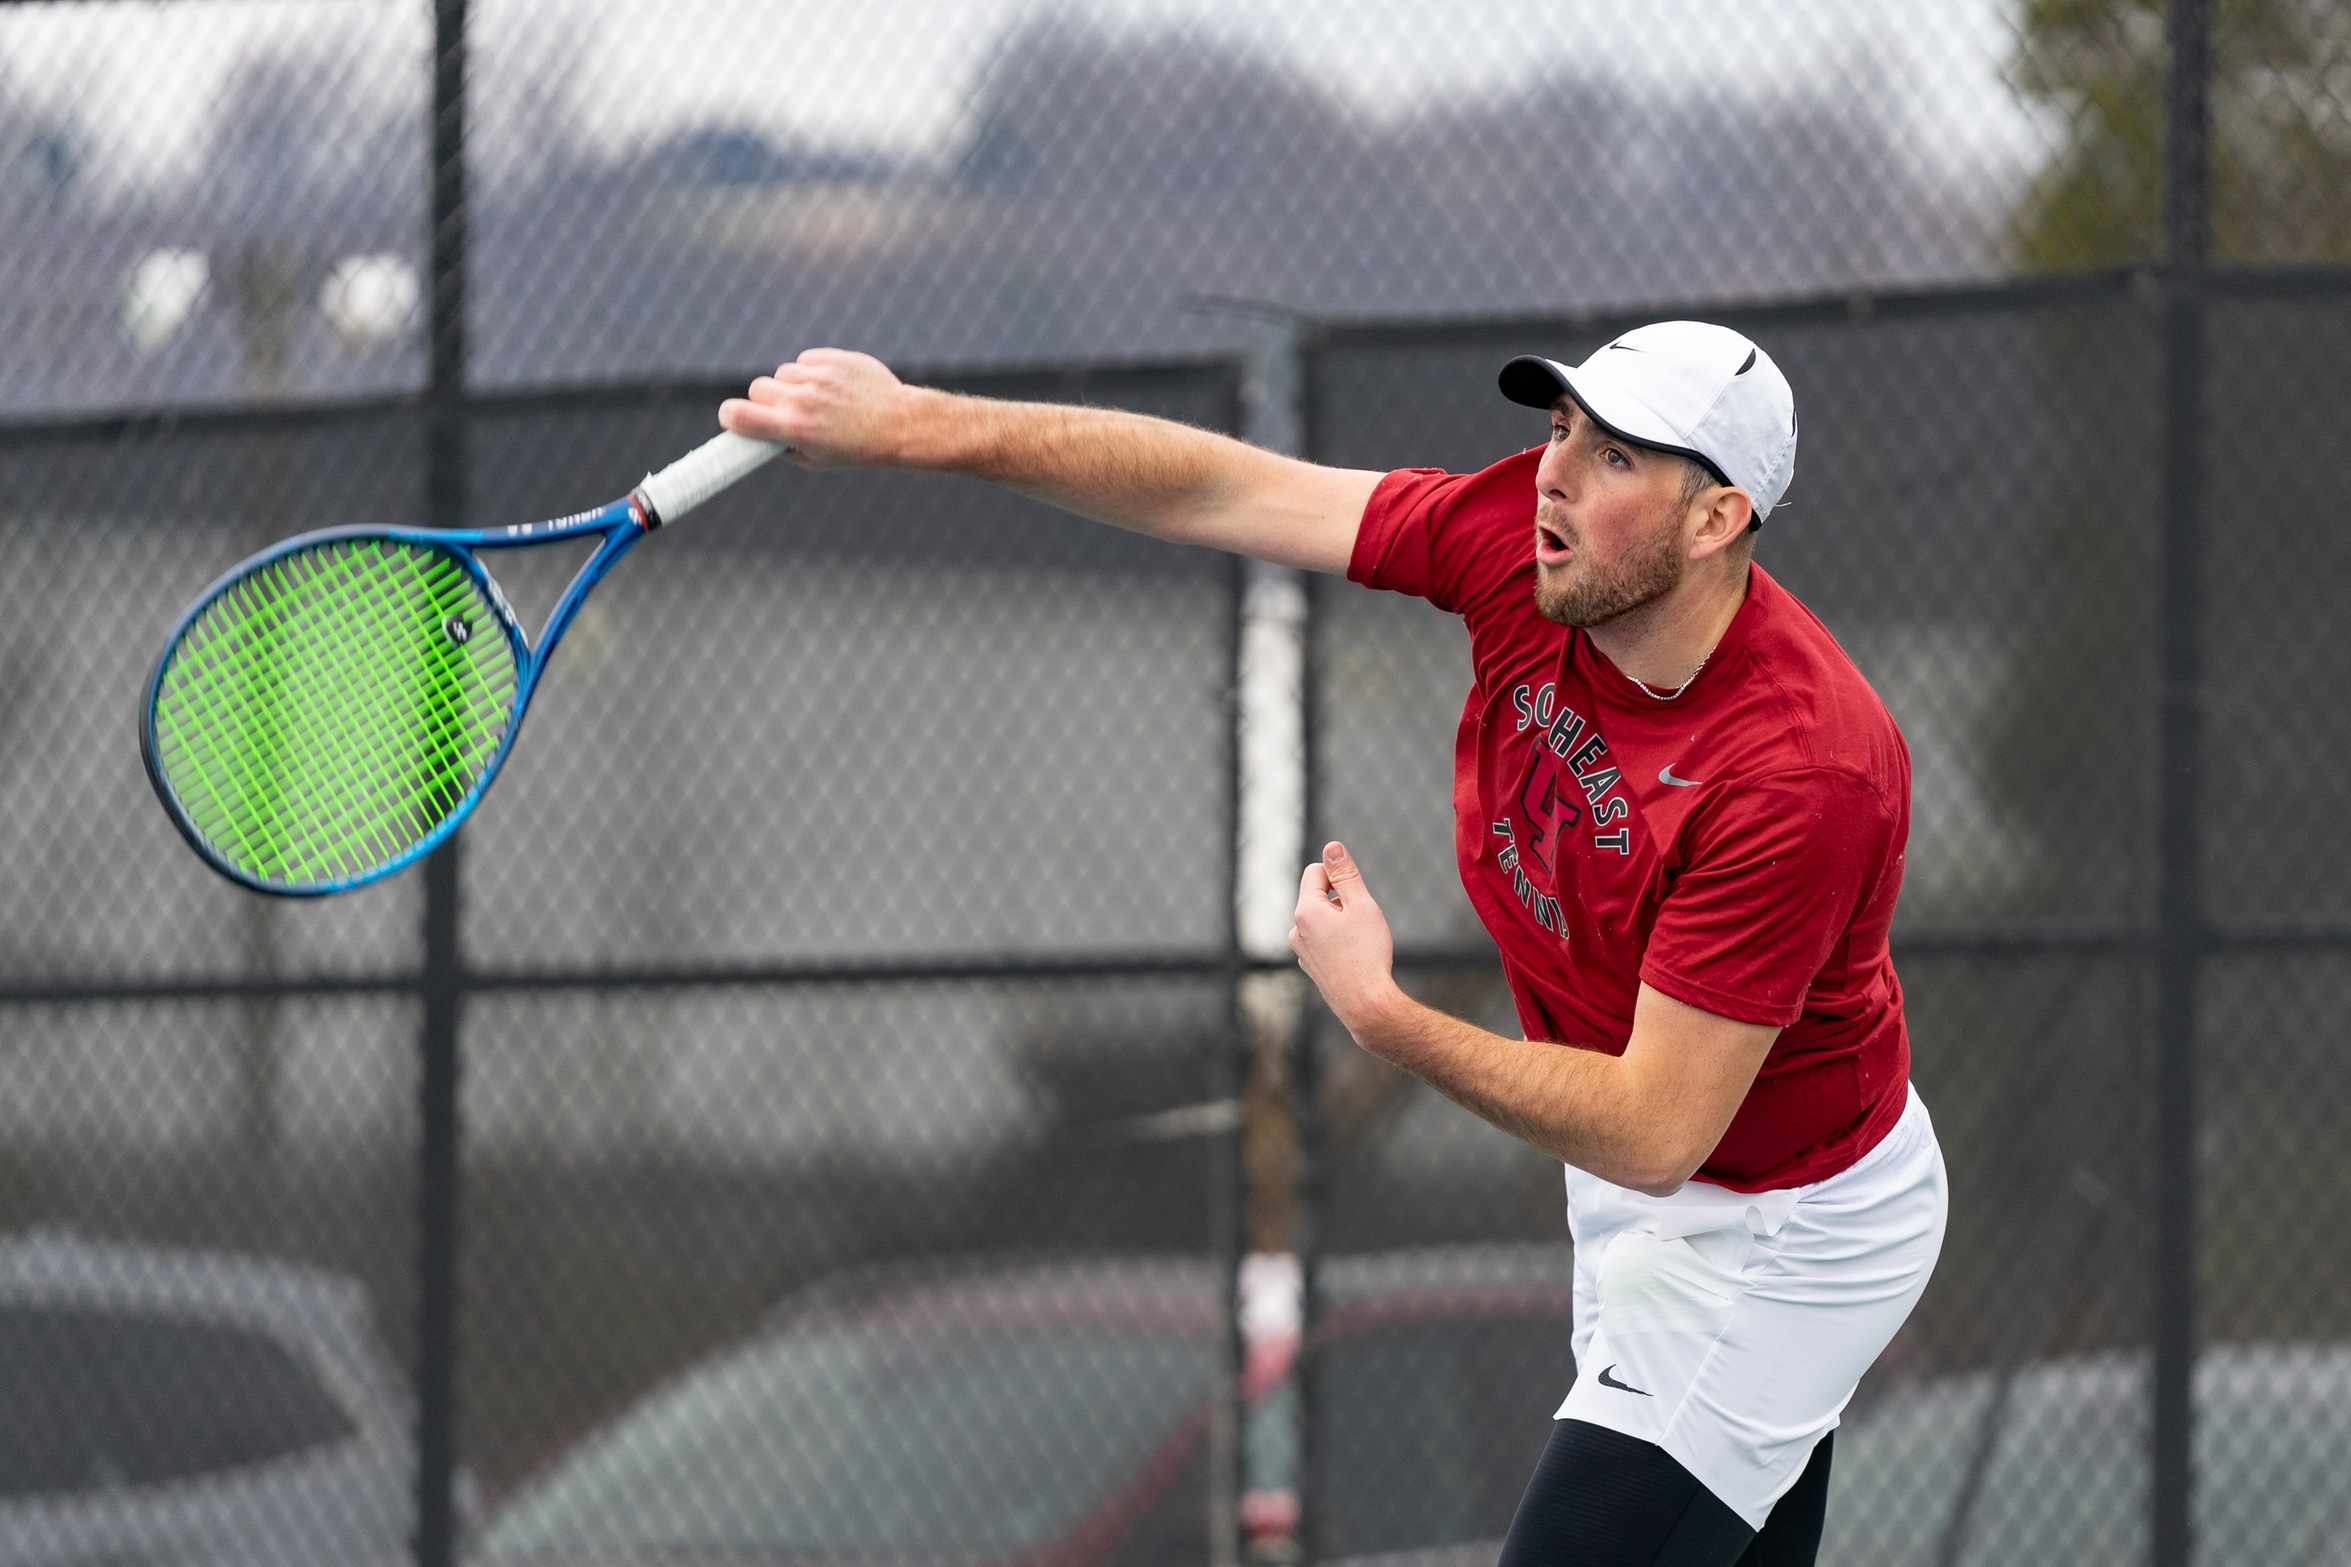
<point x="1649" y="571"/>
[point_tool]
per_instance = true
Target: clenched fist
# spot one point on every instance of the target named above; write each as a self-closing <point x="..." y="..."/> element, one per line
<point x="830" y="407"/>
<point x="1342" y="940"/>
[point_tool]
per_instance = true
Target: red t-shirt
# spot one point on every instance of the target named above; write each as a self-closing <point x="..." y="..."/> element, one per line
<point x="1738" y="848"/>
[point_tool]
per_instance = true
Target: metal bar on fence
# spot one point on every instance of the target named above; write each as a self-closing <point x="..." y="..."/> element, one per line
<point x="1017" y="969"/>
<point x="876" y="971"/>
<point x="983" y="969"/>
<point x="1747" y="315"/>
<point x="1900" y="304"/>
<point x="437" y="1215"/>
<point x="439" y="1154"/>
<point x="2179" y="899"/>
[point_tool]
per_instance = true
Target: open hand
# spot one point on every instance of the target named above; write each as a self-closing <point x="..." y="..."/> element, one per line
<point x="1342" y="940"/>
<point x="832" y="408"/>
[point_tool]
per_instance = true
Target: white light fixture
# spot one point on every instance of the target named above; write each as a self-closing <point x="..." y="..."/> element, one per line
<point x="161" y="293"/>
<point x="370" y="299"/>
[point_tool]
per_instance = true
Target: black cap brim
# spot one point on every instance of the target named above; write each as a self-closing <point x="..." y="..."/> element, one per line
<point x="1533" y="381"/>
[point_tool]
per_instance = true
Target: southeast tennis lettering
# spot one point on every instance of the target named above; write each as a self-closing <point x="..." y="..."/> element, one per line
<point x="1570" y="759"/>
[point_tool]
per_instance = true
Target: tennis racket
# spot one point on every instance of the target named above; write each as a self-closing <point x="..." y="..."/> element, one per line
<point x="329" y="711"/>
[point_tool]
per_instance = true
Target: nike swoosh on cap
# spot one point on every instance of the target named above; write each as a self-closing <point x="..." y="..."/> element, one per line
<point x="1665" y="776"/>
<point x="1608" y="1379"/>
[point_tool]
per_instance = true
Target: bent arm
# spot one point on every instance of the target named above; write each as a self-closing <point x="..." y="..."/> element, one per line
<point x="1154" y="476"/>
<point x="1646" y="1119"/>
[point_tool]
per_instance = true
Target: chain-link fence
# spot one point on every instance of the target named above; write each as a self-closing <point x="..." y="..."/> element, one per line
<point x="841" y="1100"/>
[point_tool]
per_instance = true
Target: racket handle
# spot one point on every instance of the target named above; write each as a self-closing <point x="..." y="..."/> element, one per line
<point x="701" y="473"/>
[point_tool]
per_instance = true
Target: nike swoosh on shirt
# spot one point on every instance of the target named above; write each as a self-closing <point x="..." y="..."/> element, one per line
<point x="1608" y="1379"/>
<point x="1665" y="776"/>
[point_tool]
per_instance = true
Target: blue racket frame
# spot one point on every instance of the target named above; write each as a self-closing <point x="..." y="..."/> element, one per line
<point x="622" y="524"/>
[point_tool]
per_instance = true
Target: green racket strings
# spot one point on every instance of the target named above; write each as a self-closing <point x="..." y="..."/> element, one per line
<point x="325" y="713"/>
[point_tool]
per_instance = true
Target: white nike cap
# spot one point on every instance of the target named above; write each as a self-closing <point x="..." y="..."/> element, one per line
<point x="1684" y="387"/>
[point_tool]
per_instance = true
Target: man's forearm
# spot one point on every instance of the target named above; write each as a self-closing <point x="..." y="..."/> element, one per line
<point x="842" y="410"/>
<point x="1580" y="1106"/>
<point x="1645" y="1119"/>
<point x="1129" y="469"/>
<point x="1154" y="476"/>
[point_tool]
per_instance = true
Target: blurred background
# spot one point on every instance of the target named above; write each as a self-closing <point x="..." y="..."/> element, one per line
<point x="844" y="1098"/>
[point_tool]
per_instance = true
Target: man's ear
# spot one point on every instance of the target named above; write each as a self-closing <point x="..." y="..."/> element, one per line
<point x="1728" y="511"/>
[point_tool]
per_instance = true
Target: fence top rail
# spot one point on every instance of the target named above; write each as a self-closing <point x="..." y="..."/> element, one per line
<point x="1857" y="306"/>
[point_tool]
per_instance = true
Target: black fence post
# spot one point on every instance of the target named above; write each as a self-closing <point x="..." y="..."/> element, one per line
<point x="437" y="1521"/>
<point x="2180" y="936"/>
<point x="436" y="1374"/>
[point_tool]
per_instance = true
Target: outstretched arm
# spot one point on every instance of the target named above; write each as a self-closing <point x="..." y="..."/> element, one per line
<point x="1646" y="1119"/>
<point x="843" y="410"/>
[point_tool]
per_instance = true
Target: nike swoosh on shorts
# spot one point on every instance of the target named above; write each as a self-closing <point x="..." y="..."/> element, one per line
<point x="1608" y="1379"/>
<point x="1665" y="776"/>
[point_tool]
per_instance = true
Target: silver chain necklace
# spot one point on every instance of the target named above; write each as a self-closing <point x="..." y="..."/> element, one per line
<point x="1667" y="696"/>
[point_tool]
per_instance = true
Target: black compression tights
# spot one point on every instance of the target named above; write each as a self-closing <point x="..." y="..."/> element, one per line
<point x="1600" y="1498"/>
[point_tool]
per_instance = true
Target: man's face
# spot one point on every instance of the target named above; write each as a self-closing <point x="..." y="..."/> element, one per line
<point x="1609" y="523"/>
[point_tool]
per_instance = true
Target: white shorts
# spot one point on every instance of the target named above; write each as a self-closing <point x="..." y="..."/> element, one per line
<point x="1730" y="1328"/>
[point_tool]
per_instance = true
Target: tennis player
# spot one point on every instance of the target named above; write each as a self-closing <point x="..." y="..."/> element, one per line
<point x="1681" y="812"/>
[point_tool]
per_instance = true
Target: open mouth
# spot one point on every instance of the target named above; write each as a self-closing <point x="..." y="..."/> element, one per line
<point x="1551" y="546"/>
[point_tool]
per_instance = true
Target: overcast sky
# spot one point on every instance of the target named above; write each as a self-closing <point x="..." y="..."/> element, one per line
<point x="895" y="75"/>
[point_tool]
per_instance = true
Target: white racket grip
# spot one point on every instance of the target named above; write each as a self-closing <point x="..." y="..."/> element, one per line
<point x="702" y="473"/>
